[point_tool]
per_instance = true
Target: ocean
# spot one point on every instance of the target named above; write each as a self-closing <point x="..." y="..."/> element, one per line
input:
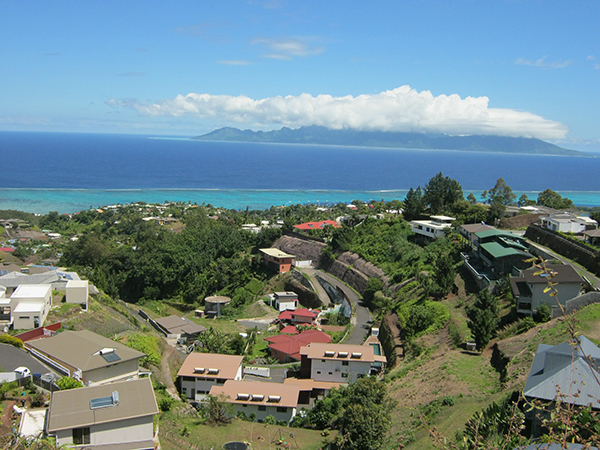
<point x="69" y="172"/>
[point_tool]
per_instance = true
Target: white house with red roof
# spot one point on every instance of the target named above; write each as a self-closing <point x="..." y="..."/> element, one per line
<point x="301" y="316"/>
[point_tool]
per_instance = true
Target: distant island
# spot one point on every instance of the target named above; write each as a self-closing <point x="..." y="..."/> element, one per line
<point x="324" y="136"/>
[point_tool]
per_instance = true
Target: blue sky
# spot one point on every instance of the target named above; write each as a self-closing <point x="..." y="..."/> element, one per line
<point x="518" y="68"/>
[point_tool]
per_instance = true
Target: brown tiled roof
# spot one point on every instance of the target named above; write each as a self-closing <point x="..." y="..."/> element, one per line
<point x="259" y="393"/>
<point x="339" y="352"/>
<point x="71" y="408"/>
<point x="227" y="365"/>
<point x="177" y="325"/>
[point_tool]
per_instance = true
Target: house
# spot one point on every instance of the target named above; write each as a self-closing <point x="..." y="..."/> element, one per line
<point x="77" y="291"/>
<point x="592" y="237"/>
<point x="89" y="357"/>
<point x="468" y="231"/>
<point x="311" y="390"/>
<point x="176" y="327"/>
<point x="261" y="398"/>
<point x="277" y="260"/>
<point x="201" y="371"/>
<point x="286" y="348"/>
<point x="283" y="301"/>
<point x="433" y="228"/>
<point x="528" y="288"/>
<point x="501" y="251"/>
<point x="339" y="363"/>
<point x="29" y="305"/>
<point x="12" y="280"/>
<point x="299" y="316"/>
<point x="568" y="223"/>
<point x="317" y="225"/>
<point x="114" y="416"/>
<point x="569" y="371"/>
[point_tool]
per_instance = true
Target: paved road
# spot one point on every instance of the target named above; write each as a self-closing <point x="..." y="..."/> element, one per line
<point x="362" y="319"/>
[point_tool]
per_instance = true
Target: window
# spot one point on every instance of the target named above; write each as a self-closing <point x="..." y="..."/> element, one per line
<point x="81" y="436"/>
<point x="344" y="363"/>
<point x="244" y="406"/>
<point x="344" y="375"/>
<point x="281" y="409"/>
<point x="330" y="373"/>
<point x="318" y="372"/>
<point x="262" y="408"/>
<point x="221" y="381"/>
<point x="322" y="360"/>
<point x="188" y="378"/>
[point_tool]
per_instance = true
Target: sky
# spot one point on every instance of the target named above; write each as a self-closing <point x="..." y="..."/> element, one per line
<point x="184" y="68"/>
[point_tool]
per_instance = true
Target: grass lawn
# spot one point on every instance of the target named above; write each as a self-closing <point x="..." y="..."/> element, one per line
<point x="202" y="436"/>
<point x="223" y="325"/>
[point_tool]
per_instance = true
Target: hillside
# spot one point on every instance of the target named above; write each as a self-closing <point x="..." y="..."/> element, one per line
<point x="350" y="137"/>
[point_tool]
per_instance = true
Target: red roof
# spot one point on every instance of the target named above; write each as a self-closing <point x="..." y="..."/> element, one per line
<point x="317" y="225"/>
<point x="290" y="329"/>
<point x="7" y="249"/>
<point x="290" y="345"/>
<point x="289" y="314"/>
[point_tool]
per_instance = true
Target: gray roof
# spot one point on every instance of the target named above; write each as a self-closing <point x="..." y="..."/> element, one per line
<point x="13" y="357"/>
<point x="561" y="273"/>
<point x="476" y="227"/>
<point x="80" y="349"/>
<point x="71" y="408"/>
<point x="15" y="279"/>
<point x="562" y="369"/>
<point x="179" y="325"/>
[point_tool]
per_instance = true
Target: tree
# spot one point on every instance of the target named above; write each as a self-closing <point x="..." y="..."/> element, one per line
<point x="413" y="204"/>
<point x="441" y="193"/>
<point x="553" y="200"/>
<point x="367" y="416"/>
<point x="472" y="199"/>
<point x="373" y="285"/>
<point x="499" y="197"/>
<point x="483" y="318"/>
<point x="218" y="410"/>
<point x="68" y="383"/>
<point x="444" y="273"/>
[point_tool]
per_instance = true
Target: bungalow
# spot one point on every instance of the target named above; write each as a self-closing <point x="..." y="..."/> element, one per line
<point x="434" y="228"/>
<point x="277" y="260"/>
<point x="286" y="348"/>
<point x="339" y="363"/>
<point x="201" y="371"/>
<point x="299" y="316"/>
<point x="176" y="327"/>
<point x="569" y="371"/>
<point x="568" y="223"/>
<point x="84" y="355"/>
<point x="118" y="415"/>
<point x="30" y="304"/>
<point x="283" y="301"/>
<point x="592" y="237"/>
<point x="529" y="288"/>
<point x="261" y="398"/>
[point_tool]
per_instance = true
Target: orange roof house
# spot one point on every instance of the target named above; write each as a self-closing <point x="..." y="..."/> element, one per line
<point x="301" y="315"/>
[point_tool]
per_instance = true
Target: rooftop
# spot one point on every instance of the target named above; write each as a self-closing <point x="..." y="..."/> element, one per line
<point x="317" y="225"/>
<point x="343" y="352"/>
<point x="178" y="325"/>
<point x="81" y="349"/>
<point x="73" y="408"/>
<point x="199" y="365"/>
<point x="559" y="273"/>
<point x="259" y="393"/>
<point x="276" y="253"/>
<point x="31" y="291"/>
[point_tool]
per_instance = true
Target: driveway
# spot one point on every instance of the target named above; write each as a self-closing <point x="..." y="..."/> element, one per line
<point x="361" y="320"/>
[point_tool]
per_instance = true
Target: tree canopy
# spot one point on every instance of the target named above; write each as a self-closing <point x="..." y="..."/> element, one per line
<point x="553" y="200"/>
<point x="441" y="193"/>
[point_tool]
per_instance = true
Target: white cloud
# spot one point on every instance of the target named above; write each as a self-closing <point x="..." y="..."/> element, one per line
<point x="286" y="48"/>
<point x="541" y="62"/>
<point x="591" y="58"/>
<point x="400" y="109"/>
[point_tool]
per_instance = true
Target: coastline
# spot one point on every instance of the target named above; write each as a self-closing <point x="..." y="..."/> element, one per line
<point x="42" y="201"/>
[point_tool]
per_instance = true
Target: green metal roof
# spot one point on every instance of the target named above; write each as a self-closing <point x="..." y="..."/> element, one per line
<point x="494" y="232"/>
<point x="499" y="251"/>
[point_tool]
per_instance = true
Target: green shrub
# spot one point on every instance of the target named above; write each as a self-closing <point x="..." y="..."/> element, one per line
<point x="270" y="420"/>
<point x="66" y="383"/>
<point x="456" y="334"/>
<point x="145" y="343"/>
<point x="164" y="403"/>
<point x="11" y="340"/>
<point x="543" y="314"/>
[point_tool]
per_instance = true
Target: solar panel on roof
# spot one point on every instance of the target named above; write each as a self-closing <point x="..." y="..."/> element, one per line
<point x="101" y="402"/>
<point x="3" y="272"/>
<point x="111" y="357"/>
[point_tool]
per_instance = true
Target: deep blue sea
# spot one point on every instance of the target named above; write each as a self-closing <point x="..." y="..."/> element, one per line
<point x="67" y="172"/>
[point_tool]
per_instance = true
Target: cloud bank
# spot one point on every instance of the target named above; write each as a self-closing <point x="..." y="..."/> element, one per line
<point x="402" y="109"/>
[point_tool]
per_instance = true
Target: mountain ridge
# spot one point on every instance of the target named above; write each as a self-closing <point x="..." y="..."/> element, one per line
<point x="317" y="135"/>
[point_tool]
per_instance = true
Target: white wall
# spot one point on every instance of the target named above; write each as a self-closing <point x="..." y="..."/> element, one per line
<point x="112" y="373"/>
<point x="130" y="430"/>
<point x="334" y="370"/>
<point x="77" y="294"/>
